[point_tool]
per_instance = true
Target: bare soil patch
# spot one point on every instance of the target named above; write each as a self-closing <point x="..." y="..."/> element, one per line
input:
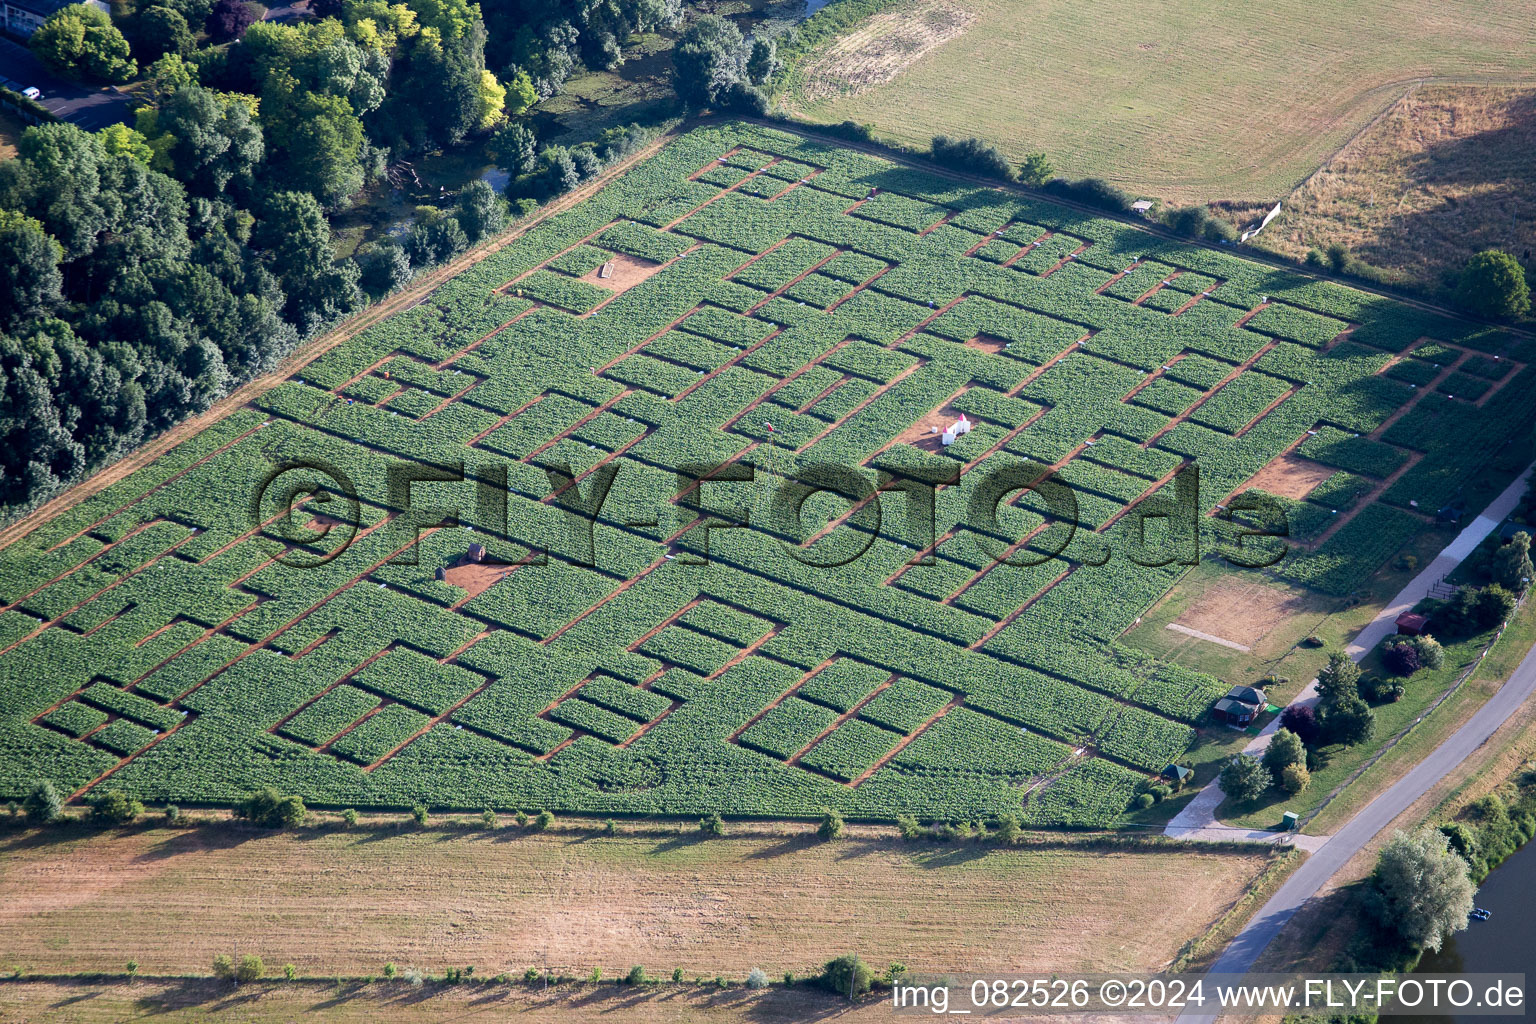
<point x="625" y="272"/>
<point x="1290" y="476"/>
<point x="923" y="434"/>
<point x="882" y="47"/>
<point x="349" y="902"/>
<point x="476" y="577"/>
<point x="987" y="343"/>
<point x="1241" y="612"/>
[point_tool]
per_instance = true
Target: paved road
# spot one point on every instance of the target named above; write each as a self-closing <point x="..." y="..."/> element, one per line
<point x="1197" y="819"/>
<point x="90" y="107"/>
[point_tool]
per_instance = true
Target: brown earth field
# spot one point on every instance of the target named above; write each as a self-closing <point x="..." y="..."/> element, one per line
<point x="1446" y="172"/>
<point x="345" y="902"/>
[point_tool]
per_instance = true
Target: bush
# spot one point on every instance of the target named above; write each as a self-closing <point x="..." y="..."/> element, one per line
<point x="972" y="156"/>
<point x="1493" y="285"/>
<point x="172" y="814"/>
<point x="250" y="968"/>
<point x="1402" y="657"/>
<point x="611" y="827"/>
<point x="42" y="805"/>
<point x="1007" y="830"/>
<point x="224" y="967"/>
<point x="349" y="817"/>
<point x="228" y="20"/>
<point x="1035" y="169"/>
<point x="419" y="814"/>
<point x="115" y="807"/>
<point x="389" y="972"/>
<point x="1294" y="778"/>
<point x="907" y="827"/>
<point x="543" y="821"/>
<point x="636" y="976"/>
<point x="488" y="818"/>
<point x="677" y="975"/>
<point x="1431" y="654"/>
<point x="1284" y="750"/>
<point x="713" y="825"/>
<point x="270" y="809"/>
<point x="290" y="972"/>
<point x="1301" y="720"/>
<point x="853" y="131"/>
<point x="757" y="979"/>
<point x="1197" y="222"/>
<point x="1091" y="192"/>
<point x="1144" y="801"/>
<point x="1244" y="779"/>
<point x="1494" y="606"/>
<point x="831" y="826"/>
<point x="848" y="976"/>
<point x="133" y="968"/>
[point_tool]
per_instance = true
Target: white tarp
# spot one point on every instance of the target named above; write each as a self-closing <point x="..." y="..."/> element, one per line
<point x="1271" y="215"/>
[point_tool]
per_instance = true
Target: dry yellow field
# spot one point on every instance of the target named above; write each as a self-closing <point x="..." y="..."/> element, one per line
<point x="1183" y="99"/>
<point x="1445" y="174"/>
<point x="334" y="902"/>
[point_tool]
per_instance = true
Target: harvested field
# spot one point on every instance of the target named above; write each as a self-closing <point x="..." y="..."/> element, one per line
<point x="624" y="272"/>
<point x="1181" y="99"/>
<point x="1240" y="612"/>
<point x="340" y="902"/>
<point x="1290" y="476"/>
<point x="1445" y="174"/>
<point x="883" y="47"/>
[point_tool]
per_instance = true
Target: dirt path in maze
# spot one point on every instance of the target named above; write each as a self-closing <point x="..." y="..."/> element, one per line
<point x="311" y="350"/>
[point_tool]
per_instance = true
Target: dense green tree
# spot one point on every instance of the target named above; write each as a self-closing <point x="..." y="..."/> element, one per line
<point x="159" y="30"/>
<point x="1340" y="677"/>
<point x="295" y="239"/>
<point x="229" y="19"/>
<point x="210" y="143"/>
<point x="42" y="805"/>
<point x="30" y="281"/>
<point x="709" y="58"/>
<point x="1036" y="169"/>
<point x="434" y="238"/>
<point x="1510" y="565"/>
<point x="384" y="267"/>
<point x="1285" y="748"/>
<point x="515" y="148"/>
<point x="1244" y="779"/>
<point x="480" y="211"/>
<point x="1493" y="285"/>
<point x="763" y="61"/>
<point x="1346" y="719"/>
<point x="270" y="809"/>
<point x="120" y="140"/>
<point x="79" y="41"/>
<point x="848" y="976"/>
<point x="1422" y="889"/>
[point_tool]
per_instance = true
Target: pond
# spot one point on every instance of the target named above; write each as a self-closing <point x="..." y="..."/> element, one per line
<point x="1502" y="944"/>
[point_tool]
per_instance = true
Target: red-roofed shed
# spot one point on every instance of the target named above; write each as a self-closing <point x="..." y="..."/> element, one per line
<point x="1411" y="624"/>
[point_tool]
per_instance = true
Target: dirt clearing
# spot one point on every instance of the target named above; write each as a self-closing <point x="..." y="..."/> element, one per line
<point x="882" y="47"/>
<point x="1240" y="612"/>
<point x="1290" y="476"/>
<point x="349" y="902"/>
<point x="623" y="272"/>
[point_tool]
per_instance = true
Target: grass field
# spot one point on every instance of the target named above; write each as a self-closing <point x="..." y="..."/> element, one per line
<point x="507" y="900"/>
<point x="1184" y="100"/>
<point x="1445" y="174"/>
<point x="156" y="636"/>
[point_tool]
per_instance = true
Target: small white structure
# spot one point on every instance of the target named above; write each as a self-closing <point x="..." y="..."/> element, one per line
<point x="960" y="426"/>
<point x="1142" y="205"/>
<point x="605" y="271"/>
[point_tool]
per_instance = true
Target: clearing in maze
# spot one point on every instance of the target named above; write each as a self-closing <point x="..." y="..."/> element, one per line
<point x="747" y="302"/>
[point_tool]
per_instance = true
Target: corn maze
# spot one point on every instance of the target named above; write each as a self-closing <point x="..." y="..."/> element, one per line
<point x="762" y="304"/>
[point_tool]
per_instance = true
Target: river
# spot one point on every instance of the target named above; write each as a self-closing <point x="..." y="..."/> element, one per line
<point x="1506" y="943"/>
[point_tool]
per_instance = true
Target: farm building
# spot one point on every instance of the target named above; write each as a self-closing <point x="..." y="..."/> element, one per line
<point x="1240" y="706"/>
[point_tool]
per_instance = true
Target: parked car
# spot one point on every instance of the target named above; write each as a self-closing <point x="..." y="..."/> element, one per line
<point x="32" y="93"/>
